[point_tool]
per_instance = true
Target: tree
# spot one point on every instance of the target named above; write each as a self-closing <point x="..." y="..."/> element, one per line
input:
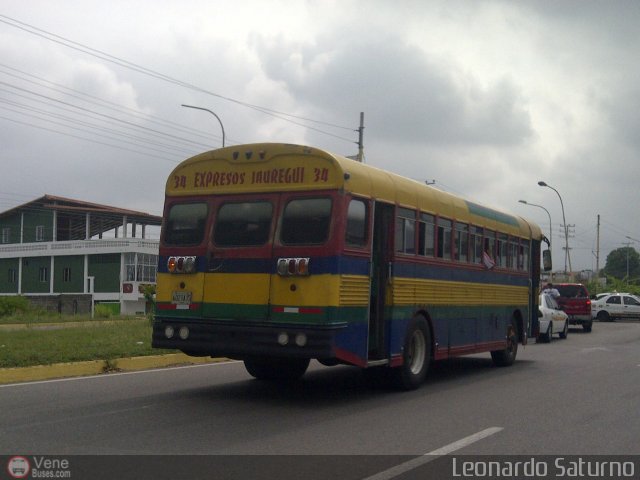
<point x="623" y="261"/>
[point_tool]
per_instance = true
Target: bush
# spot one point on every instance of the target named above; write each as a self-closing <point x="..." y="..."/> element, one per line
<point x="102" y="311"/>
<point x="12" y="305"/>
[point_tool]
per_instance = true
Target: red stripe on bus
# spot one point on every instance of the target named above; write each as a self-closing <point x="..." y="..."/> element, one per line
<point x="304" y="310"/>
<point x="171" y="306"/>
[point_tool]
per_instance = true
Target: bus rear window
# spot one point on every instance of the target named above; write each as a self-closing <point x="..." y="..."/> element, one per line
<point x="243" y="224"/>
<point x="306" y="221"/>
<point x="185" y="224"/>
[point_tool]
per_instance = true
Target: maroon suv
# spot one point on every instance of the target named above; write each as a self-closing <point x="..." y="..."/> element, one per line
<point x="574" y="300"/>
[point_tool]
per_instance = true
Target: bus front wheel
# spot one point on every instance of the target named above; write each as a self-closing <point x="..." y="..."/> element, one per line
<point x="416" y="355"/>
<point x="276" y="369"/>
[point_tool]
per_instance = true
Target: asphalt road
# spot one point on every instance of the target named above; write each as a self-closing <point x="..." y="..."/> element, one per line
<point x="575" y="396"/>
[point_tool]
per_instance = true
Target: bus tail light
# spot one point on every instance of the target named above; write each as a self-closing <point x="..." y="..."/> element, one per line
<point x="288" y="267"/>
<point x="181" y="264"/>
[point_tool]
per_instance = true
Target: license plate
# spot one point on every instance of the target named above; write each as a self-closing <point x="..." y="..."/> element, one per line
<point x="181" y="298"/>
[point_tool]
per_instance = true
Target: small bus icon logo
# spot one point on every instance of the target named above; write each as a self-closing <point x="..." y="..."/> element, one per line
<point x="18" y="467"/>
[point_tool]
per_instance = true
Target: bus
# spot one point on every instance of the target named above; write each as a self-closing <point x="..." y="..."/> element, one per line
<point x="277" y="254"/>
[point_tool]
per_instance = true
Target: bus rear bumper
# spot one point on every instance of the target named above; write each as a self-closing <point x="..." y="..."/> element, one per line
<point x="238" y="342"/>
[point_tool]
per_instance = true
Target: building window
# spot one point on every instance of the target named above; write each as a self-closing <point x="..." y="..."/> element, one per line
<point x="140" y="267"/>
<point x="44" y="274"/>
<point x="66" y="274"/>
<point x="39" y="233"/>
<point x="6" y="235"/>
<point x="13" y="275"/>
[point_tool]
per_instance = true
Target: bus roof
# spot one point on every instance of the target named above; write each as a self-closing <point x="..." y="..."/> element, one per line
<point x="274" y="167"/>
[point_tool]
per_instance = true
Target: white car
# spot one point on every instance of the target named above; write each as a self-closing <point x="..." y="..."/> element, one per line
<point x="615" y="305"/>
<point x="552" y="320"/>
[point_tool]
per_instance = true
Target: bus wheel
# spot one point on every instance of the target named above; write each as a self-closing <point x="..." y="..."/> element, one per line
<point x="276" y="369"/>
<point x="416" y="355"/>
<point x="506" y="357"/>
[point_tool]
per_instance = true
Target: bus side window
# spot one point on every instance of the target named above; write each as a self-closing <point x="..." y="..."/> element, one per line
<point x="444" y="238"/>
<point x="426" y="235"/>
<point x="462" y="242"/>
<point x="501" y="254"/>
<point x="476" y="244"/>
<point x="406" y="231"/>
<point x="357" y="223"/>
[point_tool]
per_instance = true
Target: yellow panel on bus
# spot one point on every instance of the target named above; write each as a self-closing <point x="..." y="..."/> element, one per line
<point x="267" y="168"/>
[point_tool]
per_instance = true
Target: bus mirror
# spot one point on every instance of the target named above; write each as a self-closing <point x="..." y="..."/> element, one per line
<point x="546" y="260"/>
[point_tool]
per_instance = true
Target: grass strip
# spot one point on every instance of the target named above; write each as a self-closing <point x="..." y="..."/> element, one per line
<point x="47" y="317"/>
<point x="97" y="341"/>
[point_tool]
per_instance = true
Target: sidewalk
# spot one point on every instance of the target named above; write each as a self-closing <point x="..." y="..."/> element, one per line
<point x="96" y="367"/>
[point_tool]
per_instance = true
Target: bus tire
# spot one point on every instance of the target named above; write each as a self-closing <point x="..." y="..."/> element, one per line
<point x="416" y="355"/>
<point x="506" y="357"/>
<point x="276" y="369"/>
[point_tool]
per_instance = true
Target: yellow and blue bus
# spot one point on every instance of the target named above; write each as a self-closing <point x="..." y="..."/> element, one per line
<point x="276" y="254"/>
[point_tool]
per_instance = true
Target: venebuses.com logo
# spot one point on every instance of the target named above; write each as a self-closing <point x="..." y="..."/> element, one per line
<point x="20" y="466"/>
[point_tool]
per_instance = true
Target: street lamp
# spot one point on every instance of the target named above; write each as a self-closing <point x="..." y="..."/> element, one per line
<point x="628" y="244"/>
<point x="212" y="113"/>
<point x="549" y="215"/>
<point x="566" y="228"/>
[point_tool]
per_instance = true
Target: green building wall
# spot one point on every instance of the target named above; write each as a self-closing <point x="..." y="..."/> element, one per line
<point x="35" y="219"/>
<point x="13" y="224"/>
<point x="74" y="283"/>
<point x="7" y="265"/>
<point x="106" y="271"/>
<point x="31" y="274"/>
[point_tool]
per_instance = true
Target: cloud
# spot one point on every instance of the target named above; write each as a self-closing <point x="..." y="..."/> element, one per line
<point x="406" y="95"/>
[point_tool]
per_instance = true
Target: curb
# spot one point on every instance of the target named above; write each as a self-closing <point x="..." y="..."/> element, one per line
<point x="97" y="367"/>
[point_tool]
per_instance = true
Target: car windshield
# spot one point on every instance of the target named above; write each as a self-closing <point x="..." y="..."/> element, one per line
<point x="548" y="301"/>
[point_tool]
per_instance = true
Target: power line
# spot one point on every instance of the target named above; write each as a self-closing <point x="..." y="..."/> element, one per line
<point x="85" y="97"/>
<point x="87" y="139"/>
<point x="31" y="29"/>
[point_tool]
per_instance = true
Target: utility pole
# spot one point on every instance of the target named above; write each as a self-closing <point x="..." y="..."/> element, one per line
<point x="598" y="248"/>
<point x="628" y="245"/>
<point x="361" y="138"/>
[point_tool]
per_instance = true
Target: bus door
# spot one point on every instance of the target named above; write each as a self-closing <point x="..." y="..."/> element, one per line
<point x="381" y="258"/>
<point x="237" y="279"/>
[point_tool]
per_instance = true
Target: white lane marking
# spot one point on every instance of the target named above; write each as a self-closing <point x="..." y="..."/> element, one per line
<point x="428" y="457"/>
<point x="117" y="374"/>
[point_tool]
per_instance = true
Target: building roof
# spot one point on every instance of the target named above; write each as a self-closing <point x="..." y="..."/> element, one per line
<point x="102" y="217"/>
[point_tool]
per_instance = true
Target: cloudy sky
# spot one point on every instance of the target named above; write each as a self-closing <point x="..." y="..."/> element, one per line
<point x="484" y="97"/>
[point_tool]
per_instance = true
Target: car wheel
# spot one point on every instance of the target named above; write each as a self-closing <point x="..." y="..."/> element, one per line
<point x="603" y="316"/>
<point x="587" y="327"/>
<point x="565" y="330"/>
<point x="549" y="335"/>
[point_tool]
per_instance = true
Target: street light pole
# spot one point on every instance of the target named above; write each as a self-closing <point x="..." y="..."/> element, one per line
<point x="212" y="113"/>
<point x="549" y="215"/>
<point x="566" y="228"/>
